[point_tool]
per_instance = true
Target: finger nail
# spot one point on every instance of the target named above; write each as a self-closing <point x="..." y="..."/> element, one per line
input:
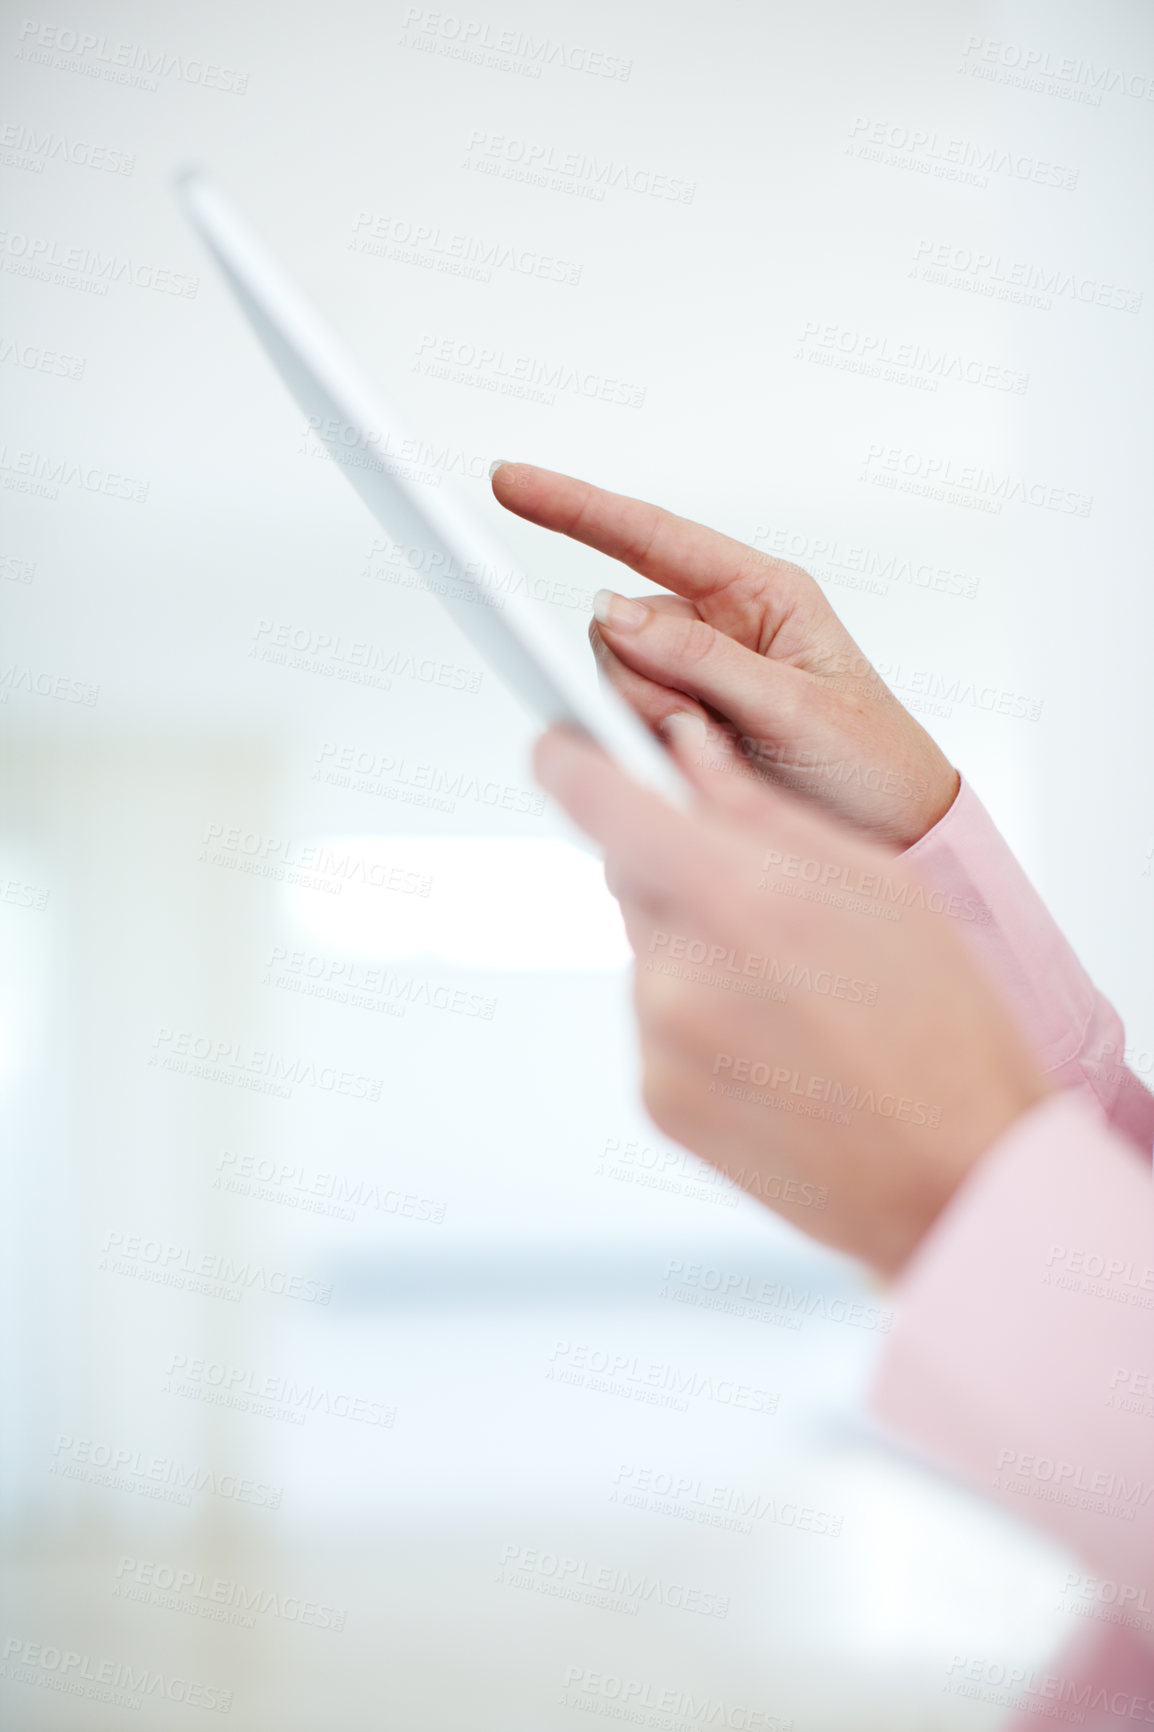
<point x="684" y="731"/>
<point x="495" y="465"/>
<point x="617" y="611"/>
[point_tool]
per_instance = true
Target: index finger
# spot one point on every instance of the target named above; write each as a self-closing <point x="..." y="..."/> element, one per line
<point x="696" y="562"/>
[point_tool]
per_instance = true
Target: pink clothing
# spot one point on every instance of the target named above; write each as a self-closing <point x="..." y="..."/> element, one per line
<point x="1023" y="1351"/>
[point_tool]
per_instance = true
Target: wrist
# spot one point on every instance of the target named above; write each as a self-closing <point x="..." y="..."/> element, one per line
<point x="942" y="785"/>
<point x="991" y="1114"/>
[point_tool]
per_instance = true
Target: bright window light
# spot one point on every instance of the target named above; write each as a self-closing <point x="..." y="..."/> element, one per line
<point x="473" y="901"/>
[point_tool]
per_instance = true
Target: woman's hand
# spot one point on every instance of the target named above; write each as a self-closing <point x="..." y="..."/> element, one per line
<point x="750" y="644"/>
<point x="849" y="1043"/>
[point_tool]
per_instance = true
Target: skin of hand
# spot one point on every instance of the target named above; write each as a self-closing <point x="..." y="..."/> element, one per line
<point x="791" y="1042"/>
<point x="750" y="644"/>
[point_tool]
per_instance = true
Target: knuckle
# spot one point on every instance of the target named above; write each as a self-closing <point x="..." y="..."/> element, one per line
<point x="762" y="576"/>
<point x="641" y="545"/>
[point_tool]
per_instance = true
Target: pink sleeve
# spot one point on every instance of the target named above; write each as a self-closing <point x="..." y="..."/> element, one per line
<point x="1023" y="1352"/>
<point x="1076" y="1035"/>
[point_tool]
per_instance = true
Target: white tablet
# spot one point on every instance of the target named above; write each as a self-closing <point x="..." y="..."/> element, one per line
<point x="512" y="631"/>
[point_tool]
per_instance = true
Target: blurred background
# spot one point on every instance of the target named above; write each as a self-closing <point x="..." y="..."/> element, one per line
<point x="366" y="1362"/>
